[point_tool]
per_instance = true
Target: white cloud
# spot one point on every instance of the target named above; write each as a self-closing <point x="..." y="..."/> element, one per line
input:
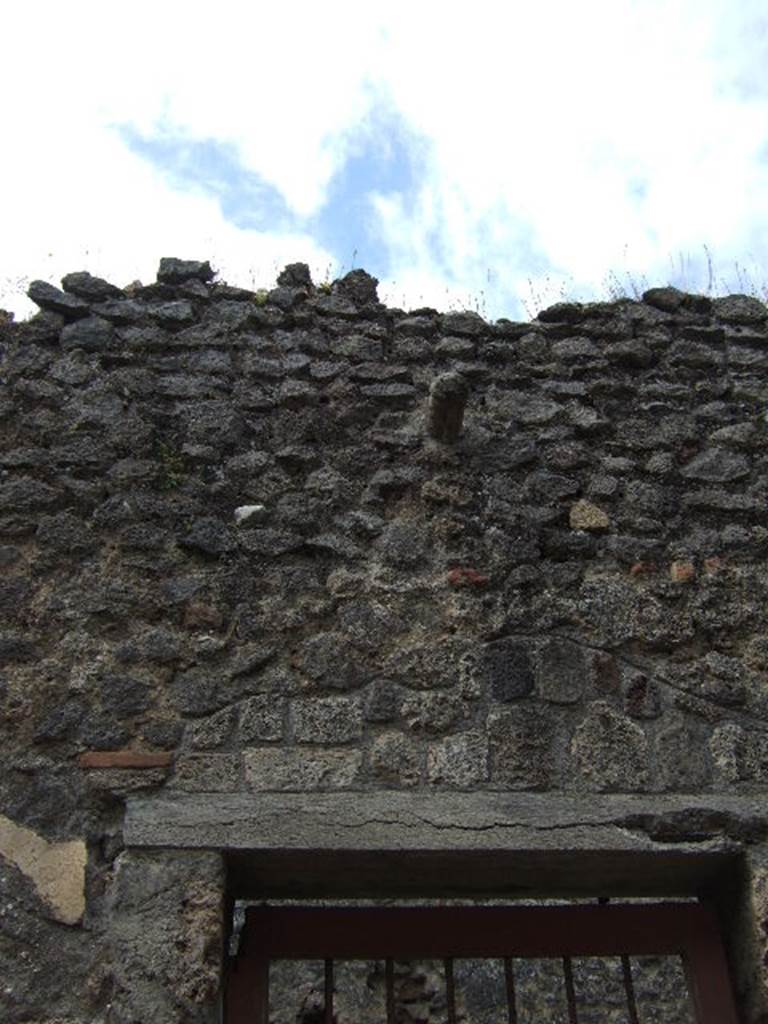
<point x="71" y="189"/>
<point x="553" y="114"/>
<point x="579" y="138"/>
<point x="120" y="218"/>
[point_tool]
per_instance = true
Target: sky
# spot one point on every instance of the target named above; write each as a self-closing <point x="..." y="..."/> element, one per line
<point x="498" y="156"/>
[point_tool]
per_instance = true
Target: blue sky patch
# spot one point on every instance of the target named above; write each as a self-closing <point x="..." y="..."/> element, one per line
<point x="215" y="169"/>
<point x="381" y="156"/>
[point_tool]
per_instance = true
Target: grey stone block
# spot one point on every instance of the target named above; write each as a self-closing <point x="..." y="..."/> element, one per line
<point x="92" y="334"/>
<point x="521" y="749"/>
<point x="682" y="760"/>
<point x="459" y="761"/>
<point x="717" y="465"/>
<point x="505" y="670"/>
<point x="330" y="660"/>
<point x="396" y="760"/>
<point x="261" y="718"/>
<point x="562" y="672"/>
<point x="207" y="773"/>
<point x="56" y="301"/>
<point x="433" y="712"/>
<point x="274" y="768"/>
<point x="611" y="750"/>
<point x="176" y="271"/>
<point x="330" y="720"/>
<point x="212" y="732"/>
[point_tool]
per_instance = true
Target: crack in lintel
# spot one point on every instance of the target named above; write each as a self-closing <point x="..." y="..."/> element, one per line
<point x="291" y="822"/>
<point x="458" y="826"/>
<point x="631" y="826"/>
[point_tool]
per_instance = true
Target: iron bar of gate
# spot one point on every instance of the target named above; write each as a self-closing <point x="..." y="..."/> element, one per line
<point x="509" y="980"/>
<point x="389" y="972"/>
<point x="450" y="990"/>
<point x="629" y="989"/>
<point x="570" y="991"/>
<point x="707" y="977"/>
<point x="328" y="993"/>
<point x="411" y="933"/>
<point x="246" y="995"/>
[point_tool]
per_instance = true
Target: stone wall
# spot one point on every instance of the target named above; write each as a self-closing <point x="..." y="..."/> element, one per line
<point x="298" y="541"/>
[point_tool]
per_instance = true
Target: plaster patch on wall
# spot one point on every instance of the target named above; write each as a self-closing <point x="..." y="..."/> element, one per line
<point x="57" y="870"/>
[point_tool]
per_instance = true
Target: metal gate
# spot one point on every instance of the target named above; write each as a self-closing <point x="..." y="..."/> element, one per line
<point x="507" y="934"/>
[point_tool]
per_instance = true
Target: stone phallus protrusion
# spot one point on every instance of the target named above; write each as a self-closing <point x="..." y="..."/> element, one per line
<point x="359" y="287"/>
<point x="447" y="398"/>
<point x="295" y="275"/>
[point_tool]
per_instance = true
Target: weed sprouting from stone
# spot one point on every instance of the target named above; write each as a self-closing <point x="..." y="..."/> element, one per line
<point x="173" y="467"/>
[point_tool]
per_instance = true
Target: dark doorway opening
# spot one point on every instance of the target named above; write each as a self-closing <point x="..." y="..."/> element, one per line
<point x="618" y="937"/>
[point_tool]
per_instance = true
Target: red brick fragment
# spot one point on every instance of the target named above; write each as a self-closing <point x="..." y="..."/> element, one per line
<point x="643" y="569"/>
<point x="467" y="578"/>
<point x="125" y="759"/>
<point x="682" y="572"/>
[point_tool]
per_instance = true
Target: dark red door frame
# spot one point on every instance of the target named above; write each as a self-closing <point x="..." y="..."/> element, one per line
<point x="409" y="933"/>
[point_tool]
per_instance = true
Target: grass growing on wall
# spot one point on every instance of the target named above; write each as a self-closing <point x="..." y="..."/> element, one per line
<point x="686" y="273"/>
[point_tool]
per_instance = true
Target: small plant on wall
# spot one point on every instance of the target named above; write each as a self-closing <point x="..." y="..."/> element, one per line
<point x="173" y="471"/>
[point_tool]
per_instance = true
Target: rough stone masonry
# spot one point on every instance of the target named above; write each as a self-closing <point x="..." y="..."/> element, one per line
<point x="260" y="545"/>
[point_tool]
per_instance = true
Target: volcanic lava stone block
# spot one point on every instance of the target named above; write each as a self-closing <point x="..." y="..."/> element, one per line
<point x="682" y="761"/>
<point x="562" y="672"/>
<point x="459" y="761"/>
<point x="740" y="309"/>
<point x="207" y="773"/>
<point x="92" y="334"/>
<point x="505" y="668"/>
<point x="433" y="712"/>
<point x="295" y="275"/>
<point x="396" y="760"/>
<point x="359" y="286"/>
<point x="520" y="741"/>
<point x="327" y="720"/>
<point x="174" y="271"/>
<point x="57" y="301"/>
<point x="24" y="494"/>
<point x="209" y="536"/>
<point x="261" y="718"/>
<point x="403" y="545"/>
<point x="124" y="696"/>
<point x="717" y="465"/>
<point x="383" y="701"/>
<point x="330" y="660"/>
<point x="301" y="768"/>
<point x="642" y="699"/>
<point x="92" y="289"/>
<point x="212" y="732"/>
<point x="611" y="750"/>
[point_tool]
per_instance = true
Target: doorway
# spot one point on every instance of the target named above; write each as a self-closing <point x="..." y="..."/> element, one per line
<point x="533" y="962"/>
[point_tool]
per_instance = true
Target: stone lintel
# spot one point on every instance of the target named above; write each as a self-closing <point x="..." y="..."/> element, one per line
<point x="437" y="821"/>
<point x="396" y="843"/>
